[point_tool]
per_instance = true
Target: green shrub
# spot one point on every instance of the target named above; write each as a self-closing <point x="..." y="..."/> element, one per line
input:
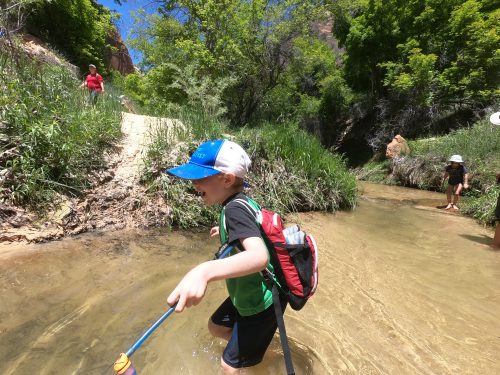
<point x="482" y="208"/>
<point x="50" y="136"/>
<point x="309" y="175"/>
<point x="291" y="171"/>
<point x="78" y="28"/>
<point x="479" y="145"/>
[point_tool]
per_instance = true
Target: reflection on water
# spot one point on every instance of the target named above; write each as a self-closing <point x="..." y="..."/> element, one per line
<point x="404" y="289"/>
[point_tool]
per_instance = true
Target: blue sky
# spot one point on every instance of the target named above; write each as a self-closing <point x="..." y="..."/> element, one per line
<point x="125" y="22"/>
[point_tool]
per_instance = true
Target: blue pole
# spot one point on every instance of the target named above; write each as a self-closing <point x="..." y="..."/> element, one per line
<point x="156" y="324"/>
<point x="150" y="330"/>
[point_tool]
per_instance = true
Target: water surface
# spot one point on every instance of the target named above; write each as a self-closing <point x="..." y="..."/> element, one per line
<point x="405" y="288"/>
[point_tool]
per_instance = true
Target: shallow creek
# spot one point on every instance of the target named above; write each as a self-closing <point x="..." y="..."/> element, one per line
<point x="405" y="288"/>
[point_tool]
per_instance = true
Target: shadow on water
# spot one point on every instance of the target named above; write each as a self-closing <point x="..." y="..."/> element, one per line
<point x="481" y="239"/>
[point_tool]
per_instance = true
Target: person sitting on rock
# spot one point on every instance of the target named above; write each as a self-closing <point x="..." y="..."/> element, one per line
<point x="458" y="179"/>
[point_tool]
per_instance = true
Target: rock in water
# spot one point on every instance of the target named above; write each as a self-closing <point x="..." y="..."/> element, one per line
<point x="397" y="147"/>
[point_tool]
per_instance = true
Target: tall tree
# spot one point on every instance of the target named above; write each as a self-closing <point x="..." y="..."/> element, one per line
<point x="77" y="28"/>
<point x="418" y="60"/>
<point x="249" y="41"/>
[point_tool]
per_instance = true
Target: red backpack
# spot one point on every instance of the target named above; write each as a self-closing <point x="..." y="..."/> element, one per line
<point x="293" y="253"/>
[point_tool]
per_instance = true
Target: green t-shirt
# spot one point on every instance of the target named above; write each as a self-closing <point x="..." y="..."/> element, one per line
<point x="250" y="294"/>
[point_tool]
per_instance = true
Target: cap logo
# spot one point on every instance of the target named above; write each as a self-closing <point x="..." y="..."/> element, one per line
<point x="200" y="155"/>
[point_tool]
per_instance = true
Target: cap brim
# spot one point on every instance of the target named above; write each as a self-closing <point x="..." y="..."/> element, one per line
<point x="192" y="171"/>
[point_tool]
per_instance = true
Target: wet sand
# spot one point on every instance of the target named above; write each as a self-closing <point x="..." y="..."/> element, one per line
<point x="404" y="289"/>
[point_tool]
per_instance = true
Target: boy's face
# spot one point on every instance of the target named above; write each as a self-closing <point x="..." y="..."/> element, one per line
<point x="454" y="164"/>
<point x="215" y="189"/>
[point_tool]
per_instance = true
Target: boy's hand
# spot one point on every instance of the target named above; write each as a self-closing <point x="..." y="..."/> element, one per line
<point x="190" y="291"/>
<point x="214" y="231"/>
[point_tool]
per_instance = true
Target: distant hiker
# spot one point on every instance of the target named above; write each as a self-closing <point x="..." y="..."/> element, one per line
<point x="496" y="238"/>
<point x="94" y="83"/>
<point x="246" y="319"/>
<point x="458" y="179"/>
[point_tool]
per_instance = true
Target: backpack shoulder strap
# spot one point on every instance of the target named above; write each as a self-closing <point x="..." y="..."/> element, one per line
<point x="250" y="205"/>
<point x="223" y="237"/>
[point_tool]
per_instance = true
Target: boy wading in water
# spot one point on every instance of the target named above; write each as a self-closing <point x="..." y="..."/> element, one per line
<point x="246" y="319"/>
<point x="457" y="180"/>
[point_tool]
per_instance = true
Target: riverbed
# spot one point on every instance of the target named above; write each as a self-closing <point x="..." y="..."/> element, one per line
<point x="405" y="288"/>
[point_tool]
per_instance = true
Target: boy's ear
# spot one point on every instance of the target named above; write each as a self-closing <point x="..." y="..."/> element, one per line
<point x="229" y="179"/>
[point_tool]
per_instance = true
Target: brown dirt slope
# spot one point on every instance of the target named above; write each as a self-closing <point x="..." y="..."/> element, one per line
<point x="115" y="200"/>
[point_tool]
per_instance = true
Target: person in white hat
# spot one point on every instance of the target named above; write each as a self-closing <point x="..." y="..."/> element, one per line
<point x="458" y="179"/>
<point x="495" y="118"/>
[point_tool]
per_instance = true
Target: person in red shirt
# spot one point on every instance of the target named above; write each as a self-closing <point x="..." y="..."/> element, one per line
<point x="94" y="83"/>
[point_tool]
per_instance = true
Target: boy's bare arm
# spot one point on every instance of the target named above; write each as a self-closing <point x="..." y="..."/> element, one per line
<point x="445" y="176"/>
<point x="466" y="180"/>
<point x="191" y="289"/>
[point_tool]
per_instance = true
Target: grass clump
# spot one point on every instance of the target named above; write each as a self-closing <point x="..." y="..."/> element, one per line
<point x="375" y="171"/>
<point x="50" y="136"/>
<point x="291" y="171"/>
<point x="479" y="146"/>
<point x="172" y="145"/>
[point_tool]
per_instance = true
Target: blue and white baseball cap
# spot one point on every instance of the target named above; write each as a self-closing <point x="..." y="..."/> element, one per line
<point x="213" y="157"/>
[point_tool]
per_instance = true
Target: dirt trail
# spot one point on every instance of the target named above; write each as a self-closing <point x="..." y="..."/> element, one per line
<point x="115" y="200"/>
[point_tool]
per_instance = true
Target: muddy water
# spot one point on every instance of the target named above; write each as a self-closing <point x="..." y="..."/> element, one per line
<point x="405" y="288"/>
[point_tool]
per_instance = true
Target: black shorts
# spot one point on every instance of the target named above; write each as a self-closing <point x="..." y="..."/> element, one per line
<point x="251" y="334"/>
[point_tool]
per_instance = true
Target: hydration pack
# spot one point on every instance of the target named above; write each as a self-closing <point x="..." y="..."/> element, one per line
<point x="293" y="254"/>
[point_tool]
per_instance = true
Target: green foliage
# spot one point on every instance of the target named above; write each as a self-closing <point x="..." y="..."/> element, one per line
<point x="376" y="171"/>
<point x="299" y="167"/>
<point x="415" y="78"/>
<point x="51" y="138"/>
<point x="419" y="61"/>
<point x="77" y="28"/>
<point x="13" y="14"/>
<point x="479" y="146"/>
<point x="244" y="44"/>
<point x="482" y="207"/>
<point x="132" y="85"/>
<point x="291" y="171"/>
<point x="311" y="89"/>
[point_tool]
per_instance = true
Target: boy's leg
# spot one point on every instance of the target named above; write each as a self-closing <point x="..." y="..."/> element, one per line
<point x="250" y="337"/>
<point x="222" y="320"/>
<point x="456" y="195"/>
<point x="449" y="191"/>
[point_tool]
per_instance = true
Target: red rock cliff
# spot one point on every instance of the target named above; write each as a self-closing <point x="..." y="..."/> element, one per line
<point x="117" y="55"/>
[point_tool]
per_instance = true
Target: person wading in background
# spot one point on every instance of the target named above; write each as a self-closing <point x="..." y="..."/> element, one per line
<point x="94" y="83"/>
<point x="458" y="179"/>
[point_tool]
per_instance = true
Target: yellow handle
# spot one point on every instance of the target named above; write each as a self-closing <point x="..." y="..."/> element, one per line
<point x="122" y="364"/>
